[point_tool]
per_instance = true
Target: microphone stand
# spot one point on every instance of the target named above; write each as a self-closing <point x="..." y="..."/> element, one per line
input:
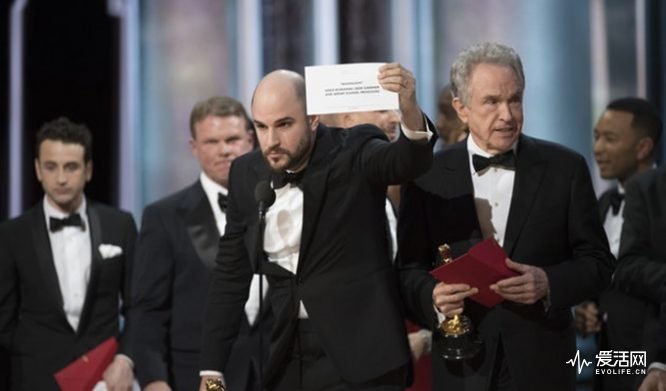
<point x="259" y="269"/>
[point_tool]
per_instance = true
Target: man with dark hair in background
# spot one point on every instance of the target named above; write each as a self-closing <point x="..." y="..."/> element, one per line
<point x="64" y="266"/>
<point x="533" y="197"/>
<point x="625" y="140"/>
<point x="176" y="252"/>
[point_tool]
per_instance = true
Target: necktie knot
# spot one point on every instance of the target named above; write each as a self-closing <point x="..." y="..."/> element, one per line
<point x="284" y="178"/>
<point x="616" y="199"/>
<point x="222" y="202"/>
<point x="506" y="160"/>
<point x="73" y="220"/>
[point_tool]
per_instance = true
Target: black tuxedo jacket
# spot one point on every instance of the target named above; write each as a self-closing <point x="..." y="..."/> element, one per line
<point x="345" y="276"/>
<point x="630" y="324"/>
<point x="33" y="325"/>
<point x="553" y="223"/>
<point x="176" y="252"/>
<point x="641" y="268"/>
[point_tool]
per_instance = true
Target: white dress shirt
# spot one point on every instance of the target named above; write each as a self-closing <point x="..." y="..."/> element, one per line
<point x="72" y="255"/>
<point x="212" y="189"/>
<point x="613" y="225"/>
<point x="392" y="221"/>
<point x="284" y="225"/>
<point x="493" y="189"/>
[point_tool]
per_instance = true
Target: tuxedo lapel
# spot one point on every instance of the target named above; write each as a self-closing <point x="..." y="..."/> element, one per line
<point x="459" y="190"/>
<point x="42" y="245"/>
<point x="529" y="174"/>
<point x="95" y="223"/>
<point x="201" y="226"/>
<point x="604" y="204"/>
<point x="456" y="171"/>
<point x="314" y="188"/>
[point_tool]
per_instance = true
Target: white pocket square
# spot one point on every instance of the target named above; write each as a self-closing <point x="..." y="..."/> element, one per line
<point x="109" y="251"/>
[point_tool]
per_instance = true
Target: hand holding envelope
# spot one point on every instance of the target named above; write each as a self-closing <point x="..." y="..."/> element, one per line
<point x="346" y="88"/>
<point x="486" y="275"/>
<point x="527" y="288"/>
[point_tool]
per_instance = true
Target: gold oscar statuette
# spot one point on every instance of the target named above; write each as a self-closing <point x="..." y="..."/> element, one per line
<point x="457" y="341"/>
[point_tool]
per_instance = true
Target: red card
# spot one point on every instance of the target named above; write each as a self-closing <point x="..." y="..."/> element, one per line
<point x="83" y="373"/>
<point x="483" y="265"/>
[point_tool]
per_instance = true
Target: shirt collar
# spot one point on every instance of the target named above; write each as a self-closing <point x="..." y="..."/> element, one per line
<point x="51" y="211"/>
<point x="211" y="188"/>
<point x="474" y="149"/>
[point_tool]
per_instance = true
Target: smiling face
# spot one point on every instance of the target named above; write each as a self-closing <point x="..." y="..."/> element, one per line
<point x="494" y="113"/>
<point x="217" y="142"/>
<point x="616" y="145"/>
<point x="63" y="173"/>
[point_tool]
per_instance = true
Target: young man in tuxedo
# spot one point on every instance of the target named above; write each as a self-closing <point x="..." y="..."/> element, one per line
<point x="338" y="321"/>
<point x="64" y="266"/>
<point x="176" y="252"/>
<point x="536" y="200"/>
<point x="626" y="137"/>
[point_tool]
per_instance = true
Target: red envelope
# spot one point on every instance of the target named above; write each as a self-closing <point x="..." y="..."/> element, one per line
<point x="483" y="265"/>
<point x="83" y="373"/>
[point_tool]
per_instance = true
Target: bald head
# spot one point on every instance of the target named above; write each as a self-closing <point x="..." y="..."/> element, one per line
<point x="281" y="84"/>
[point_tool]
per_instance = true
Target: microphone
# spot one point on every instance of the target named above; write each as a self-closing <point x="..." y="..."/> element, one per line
<point x="265" y="196"/>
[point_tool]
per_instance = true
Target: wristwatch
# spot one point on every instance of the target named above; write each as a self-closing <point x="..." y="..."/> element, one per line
<point x="214" y="385"/>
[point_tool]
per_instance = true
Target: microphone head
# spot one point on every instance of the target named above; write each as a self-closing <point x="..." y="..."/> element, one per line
<point x="264" y="194"/>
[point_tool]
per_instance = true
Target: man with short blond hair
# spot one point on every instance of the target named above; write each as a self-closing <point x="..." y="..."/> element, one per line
<point x="176" y="252"/>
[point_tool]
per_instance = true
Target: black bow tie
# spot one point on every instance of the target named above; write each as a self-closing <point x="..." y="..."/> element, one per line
<point x="284" y="178"/>
<point x="506" y="160"/>
<point x="616" y="199"/>
<point x="222" y="202"/>
<point x="74" y="220"/>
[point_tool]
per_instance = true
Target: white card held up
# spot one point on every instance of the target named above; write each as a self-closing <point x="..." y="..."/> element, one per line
<point x="346" y="88"/>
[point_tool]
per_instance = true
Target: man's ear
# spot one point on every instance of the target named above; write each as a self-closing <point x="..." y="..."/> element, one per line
<point x="644" y="148"/>
<point x="314" y="122"/>
<point x="37" y="170"/>
<point x="252" y="138"/>
<point x="89" y="170"/>
<point x="460" y="108"/>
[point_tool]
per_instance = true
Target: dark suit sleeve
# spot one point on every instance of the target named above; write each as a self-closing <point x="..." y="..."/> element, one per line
<point x="129" y="245"/>
<point x="8" y="292"/>
<point x="230" y="283"/>
<point x="413" y="258"/>
<point x="590" y="255"/>
<point x="641" y="271"/>
<point x="661" y="335"/>
<point x="150" y="310"/>
<point x="397" y="162"/>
